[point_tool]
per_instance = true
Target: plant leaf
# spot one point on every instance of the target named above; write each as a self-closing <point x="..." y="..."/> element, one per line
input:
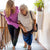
<point x="39" y="3"/>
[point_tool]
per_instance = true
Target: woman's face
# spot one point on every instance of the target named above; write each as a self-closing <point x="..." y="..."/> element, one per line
<point x="23" y="11"/>
<point x="13" y="7"/>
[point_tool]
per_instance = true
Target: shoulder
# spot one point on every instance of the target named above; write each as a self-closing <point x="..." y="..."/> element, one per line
<point x="16" y="7"/>
<point x="17" y="10"/>
<point x="32" y="12"/>
<point x="19" y="16"/>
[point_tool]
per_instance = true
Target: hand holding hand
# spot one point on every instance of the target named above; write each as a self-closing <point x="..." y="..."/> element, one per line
<point x="20" y="26"/>
<point x="24" y="30"/>
<point x="19" y="22"/>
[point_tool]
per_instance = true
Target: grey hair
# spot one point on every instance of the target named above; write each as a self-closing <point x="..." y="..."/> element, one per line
<point x="23" y="6"/>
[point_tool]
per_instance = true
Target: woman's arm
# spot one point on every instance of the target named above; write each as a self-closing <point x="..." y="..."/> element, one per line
<point x="35" y="25"/>
<point x="21" y="26"/>
<point x="34" y="20"/>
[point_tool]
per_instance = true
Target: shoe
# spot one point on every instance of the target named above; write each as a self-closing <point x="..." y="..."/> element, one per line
<point x="29" y="48"/>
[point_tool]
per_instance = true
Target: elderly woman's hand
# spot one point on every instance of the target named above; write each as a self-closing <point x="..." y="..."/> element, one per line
<point x="22" y="27"/>
<point x="24" y="30"/>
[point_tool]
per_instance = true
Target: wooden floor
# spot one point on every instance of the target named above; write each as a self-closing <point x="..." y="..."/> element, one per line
<point x="35" y="45"/>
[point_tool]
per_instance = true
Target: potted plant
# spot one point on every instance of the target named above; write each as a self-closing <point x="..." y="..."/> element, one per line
<point x="39" y="13"/>
<point x="39" y="4"/>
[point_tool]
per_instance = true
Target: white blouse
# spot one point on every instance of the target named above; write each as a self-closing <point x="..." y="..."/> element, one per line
<point x="26" y="20"/>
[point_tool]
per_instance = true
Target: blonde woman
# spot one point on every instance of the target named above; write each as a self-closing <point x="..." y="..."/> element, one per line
<point x="25" y="23"/>
<point x="11" y="16"/>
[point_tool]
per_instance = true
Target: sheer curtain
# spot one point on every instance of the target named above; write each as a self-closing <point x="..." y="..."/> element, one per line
<point x="29" y="3"/>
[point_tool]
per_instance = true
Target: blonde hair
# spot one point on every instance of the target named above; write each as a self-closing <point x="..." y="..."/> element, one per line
<point x="8" y="9"/>
<point x="23" y="6"/>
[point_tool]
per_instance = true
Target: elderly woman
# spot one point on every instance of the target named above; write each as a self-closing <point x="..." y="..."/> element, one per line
<point x="25" y="23"/>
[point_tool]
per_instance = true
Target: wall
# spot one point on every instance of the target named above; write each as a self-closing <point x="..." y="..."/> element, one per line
<point x="29" y="3"/>
<point x="44" y="35"/>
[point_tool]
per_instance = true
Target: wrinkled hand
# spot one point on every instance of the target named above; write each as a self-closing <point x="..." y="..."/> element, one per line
<point x="24" y="30"/>
<point x="20" y="25"/>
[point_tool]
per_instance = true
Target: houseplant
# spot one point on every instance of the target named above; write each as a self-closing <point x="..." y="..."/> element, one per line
<point x="39" y="4"/>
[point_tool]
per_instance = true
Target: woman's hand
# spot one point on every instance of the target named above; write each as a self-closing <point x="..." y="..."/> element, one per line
<point x="22" y="27"/>
<point x="19" y="22"/>
<point x="24" y="30"/>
